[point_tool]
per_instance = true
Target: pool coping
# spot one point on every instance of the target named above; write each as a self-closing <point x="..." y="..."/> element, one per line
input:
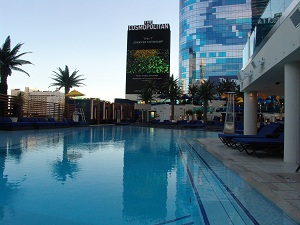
<point x="272" y="177"/>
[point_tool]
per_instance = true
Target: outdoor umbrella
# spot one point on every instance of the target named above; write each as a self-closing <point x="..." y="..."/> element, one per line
<point x="74" y="93"/>
<point x="239" y="100"/>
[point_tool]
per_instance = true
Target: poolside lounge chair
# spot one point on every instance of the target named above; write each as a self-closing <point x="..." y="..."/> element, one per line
<point x="7" y="124"/>
<point x="72" y="123"/>
<point x="59" y="124"/>
<point x="194" y="124"/>
<point x="182" y="122"/>
<point x="168" y="122"/>
<point x="122" y="123"/>
<point x="49" y="124"/>
<point x="37" y="123"/>
<point x="269" y="144"/>
<point x="40" y="123"/>
<point x="239" y="127"/>
<point x="217" y="121"/>
<point x="227" y="139"/>
<point x="154" y="121"/>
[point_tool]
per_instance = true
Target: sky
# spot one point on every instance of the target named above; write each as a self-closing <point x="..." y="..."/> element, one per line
<point x="86" y="35"/>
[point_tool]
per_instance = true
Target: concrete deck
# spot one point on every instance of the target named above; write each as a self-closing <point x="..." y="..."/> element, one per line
<point x="275" y="179"/>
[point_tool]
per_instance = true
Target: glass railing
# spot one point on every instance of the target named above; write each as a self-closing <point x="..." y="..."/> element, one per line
<point x="269" y="18"/>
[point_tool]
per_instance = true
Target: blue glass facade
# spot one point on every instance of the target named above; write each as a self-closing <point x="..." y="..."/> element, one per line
<point x="212" y="36"/>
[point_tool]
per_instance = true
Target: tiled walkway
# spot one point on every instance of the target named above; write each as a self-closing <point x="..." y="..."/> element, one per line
<point x="275" y="179"/>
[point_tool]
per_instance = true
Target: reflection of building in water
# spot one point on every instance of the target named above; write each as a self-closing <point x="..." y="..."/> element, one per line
<point x="4" y="186"/>
<point x="145" y="179"/>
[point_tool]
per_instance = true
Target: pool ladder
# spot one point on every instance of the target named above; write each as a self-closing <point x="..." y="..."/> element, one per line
<point x="82" y="114"/>
<point x="79" y="111"/>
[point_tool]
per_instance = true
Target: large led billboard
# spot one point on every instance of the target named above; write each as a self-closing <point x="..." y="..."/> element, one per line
<point x="148" y="55"/>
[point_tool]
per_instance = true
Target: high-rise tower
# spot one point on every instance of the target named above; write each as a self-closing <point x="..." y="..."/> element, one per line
<point x="213" y="34"/>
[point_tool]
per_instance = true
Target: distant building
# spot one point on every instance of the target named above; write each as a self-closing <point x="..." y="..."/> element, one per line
<point x="40" y="103"/>
<point x="45" y="96"/>
<point x="212" y="36"/>
<point x="148" y="56"/>
<point x="36" y="95"/>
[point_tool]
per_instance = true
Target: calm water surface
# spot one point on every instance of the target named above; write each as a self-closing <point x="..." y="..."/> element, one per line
<point x="116" y="175"/>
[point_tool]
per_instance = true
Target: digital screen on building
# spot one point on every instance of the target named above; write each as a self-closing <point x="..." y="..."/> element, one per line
<point x="148" y="55"/>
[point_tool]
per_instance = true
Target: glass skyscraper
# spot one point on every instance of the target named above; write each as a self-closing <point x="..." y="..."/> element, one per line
<point x="213" y="34"/>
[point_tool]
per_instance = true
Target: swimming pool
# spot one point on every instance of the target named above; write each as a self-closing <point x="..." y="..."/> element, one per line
<point x="122" y="175"/>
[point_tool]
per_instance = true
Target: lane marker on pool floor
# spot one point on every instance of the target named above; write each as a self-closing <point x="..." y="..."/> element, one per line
<point x="224" y="185"/>
<point x="200" y="204"/>
<point x="174" y="220"/>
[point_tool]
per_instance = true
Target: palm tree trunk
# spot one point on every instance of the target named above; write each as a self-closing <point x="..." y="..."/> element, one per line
<point x="66" y="113"/>
<point x="205" y="104"/>
<point x="67" y="90"/>
<point x="3" y="88"/>
<point x="4" y="101"/>
<point x="172" y="110"/>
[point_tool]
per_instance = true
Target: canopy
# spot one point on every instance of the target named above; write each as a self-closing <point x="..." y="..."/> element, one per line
<point x="74" y="93"/>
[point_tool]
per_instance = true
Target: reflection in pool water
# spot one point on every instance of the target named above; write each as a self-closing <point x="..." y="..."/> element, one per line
<point x="104" y="175"/>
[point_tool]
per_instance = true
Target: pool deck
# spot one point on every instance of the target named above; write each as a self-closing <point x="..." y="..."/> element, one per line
<point x="275" y="179"/>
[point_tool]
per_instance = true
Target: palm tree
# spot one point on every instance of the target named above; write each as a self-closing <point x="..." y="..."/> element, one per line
<point x="18" y="102"/>
<point x="148" y="92"/>
<point x="63" y="79"/>
<point x="172" y="91"/>
<point x="206" y="92"/>
<point x="10" y="60"/>
<point x="192" y="91"/>
<point x="64" y="168"/>
<point x="225" y="86"/>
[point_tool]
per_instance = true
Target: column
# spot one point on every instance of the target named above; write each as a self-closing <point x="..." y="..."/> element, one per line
<point x="291" y="112"/>
<point x="250" y="113"/>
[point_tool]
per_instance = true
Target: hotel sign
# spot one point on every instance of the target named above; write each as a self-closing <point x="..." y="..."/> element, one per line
<point x="219" y="79"/>
<point x="148" y="55"/>
<point x="148" y="25"/>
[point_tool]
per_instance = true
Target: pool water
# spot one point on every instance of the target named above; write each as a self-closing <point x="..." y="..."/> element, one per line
<point x="122" y="175"/>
